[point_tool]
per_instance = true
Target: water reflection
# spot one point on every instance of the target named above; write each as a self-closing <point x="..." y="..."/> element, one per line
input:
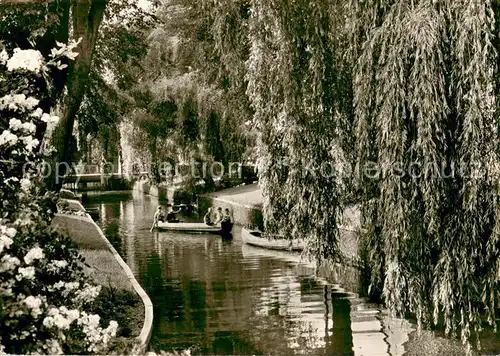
<point x="224" y="297"/>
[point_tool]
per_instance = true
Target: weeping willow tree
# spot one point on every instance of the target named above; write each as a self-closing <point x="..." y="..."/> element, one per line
<point x="425" y="91"/>
<point x="295" y="85"/>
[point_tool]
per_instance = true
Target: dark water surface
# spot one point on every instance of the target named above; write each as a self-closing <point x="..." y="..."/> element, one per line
<point x="225" y="297"/>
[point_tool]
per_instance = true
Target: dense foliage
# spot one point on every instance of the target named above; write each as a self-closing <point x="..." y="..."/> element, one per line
<point x="295" y="87"/>
<point x="425" y="97"/>
<point x="116" y="67"/>
<point x="185" y="98"/>
<point x="45" y="298"/>
<point x="196" y="59"/>
<point x="423" y="92"/>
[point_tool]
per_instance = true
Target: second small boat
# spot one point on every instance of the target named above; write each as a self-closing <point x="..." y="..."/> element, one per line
<point x="259" y="239"/>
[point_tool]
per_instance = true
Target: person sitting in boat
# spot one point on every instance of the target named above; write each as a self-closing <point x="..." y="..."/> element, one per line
<point x="207" y="219"/>
<point x="171" y="215"/>
<point x="158" y="217"/>
<point x="227" y="222"/>
<point x="227" y="218"/>
<point x="218" y="216"/>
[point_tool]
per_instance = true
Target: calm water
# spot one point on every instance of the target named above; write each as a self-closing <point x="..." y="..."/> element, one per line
<point x="224" y="297"/>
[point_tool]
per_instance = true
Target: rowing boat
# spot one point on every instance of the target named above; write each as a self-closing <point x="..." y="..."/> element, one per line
<point x="195" y="228"/>
<point x="260" y="239"/>
<point x="249" y="251"/>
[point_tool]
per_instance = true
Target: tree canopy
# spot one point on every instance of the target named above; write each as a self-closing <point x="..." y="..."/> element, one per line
<point x="426" y="83"/>
<point x="189" y="62"/>
<point x="388" y="104"/>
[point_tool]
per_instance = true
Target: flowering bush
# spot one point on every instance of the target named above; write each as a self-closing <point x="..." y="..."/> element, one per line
<point x="45" y="296"/>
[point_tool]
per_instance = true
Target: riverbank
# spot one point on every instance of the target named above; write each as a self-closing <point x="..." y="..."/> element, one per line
<point x="123" y="294"/>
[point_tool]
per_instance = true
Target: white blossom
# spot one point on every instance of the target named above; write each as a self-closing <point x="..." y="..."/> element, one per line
<point x="36" y="253"/>
<point x="49" y="119"/>
<point x="61" y="318"/>
<point x="6" y="235"/>
<point x="30" y="142"/>
<point x="59" y="285"/>
<point x="26" y="272"/>
<point x="22" y="115"/>
<point x="61" y="322"/>
<point x="8" y="263"/>
<point x="8" y="138"/>
<point x="66" y="287"/>
<point x="4" y="57"/>
<point x="37" y="113"/>
<point x="15" y="124"/>
<point x="48" y="322"/>
<point x="18" y="102"/>
<point x="53" y="347"/>
<point x="34" y="303"/>
<point x="9" y="231"/>
<point x="59" y="263"/>
<point x="25" y="59"/>
<point x="94" y="334"/>
<point x="18" y="125"/>
<point x="5" y="242"/>
<point x="89" y="320"/>
<point x="25" y="184"/>
<point x="6" y="292"/>
<point x="71" y="285"/>
<point x="73" y="314"/>
<point x="88" y="294"/>
<point x="29" y="127"/>
<point x="53" y="311"/>
<point x="65" y="50"/>
<point x="31" y="102"/>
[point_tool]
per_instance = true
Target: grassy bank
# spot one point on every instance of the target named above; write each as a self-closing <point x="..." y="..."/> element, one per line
<point x="118" y="299"/>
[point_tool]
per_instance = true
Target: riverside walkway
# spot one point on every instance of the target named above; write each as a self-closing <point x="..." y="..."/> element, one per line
<point x="248" y="196"/>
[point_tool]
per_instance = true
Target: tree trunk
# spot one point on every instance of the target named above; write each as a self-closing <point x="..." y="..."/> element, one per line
<point x="87" y="16"/>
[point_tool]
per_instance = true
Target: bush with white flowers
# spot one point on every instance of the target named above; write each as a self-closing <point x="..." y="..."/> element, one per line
<point x="45" y="296"/>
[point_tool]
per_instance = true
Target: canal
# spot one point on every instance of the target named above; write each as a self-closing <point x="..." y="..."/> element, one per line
<point x="224" y="297"/>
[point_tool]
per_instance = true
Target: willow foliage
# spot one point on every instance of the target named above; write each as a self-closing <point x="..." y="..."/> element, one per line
<point x="425" y="92"/>
<point x="294" y="88"/>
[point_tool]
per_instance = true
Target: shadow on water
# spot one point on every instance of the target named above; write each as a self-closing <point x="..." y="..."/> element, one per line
<point x="218" y="296"/>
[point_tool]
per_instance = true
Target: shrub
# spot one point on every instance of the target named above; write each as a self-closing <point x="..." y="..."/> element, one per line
<point x="45" y="298"/>
<point x="116" y="304"/>
<point x="183" y="196"/>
